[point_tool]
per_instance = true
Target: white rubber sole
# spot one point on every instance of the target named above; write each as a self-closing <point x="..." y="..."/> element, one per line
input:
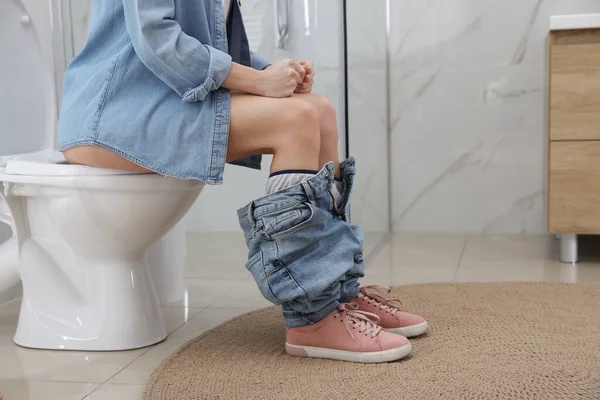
<point x="410" y="331"/>
<point x="351" y="356"/>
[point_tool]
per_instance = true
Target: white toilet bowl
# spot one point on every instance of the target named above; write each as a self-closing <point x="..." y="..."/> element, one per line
<point x="166" y="263"/>
<point x="82" y="236"/>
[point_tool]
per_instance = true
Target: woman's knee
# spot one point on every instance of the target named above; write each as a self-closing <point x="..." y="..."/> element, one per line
<point x="302" y="112"/>
<point x="327" y="121"/>
<point x="302" y="120"/>
<point x="327" y="111"/>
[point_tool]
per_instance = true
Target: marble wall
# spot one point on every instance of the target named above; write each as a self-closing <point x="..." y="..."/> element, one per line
<point x="468" y="113"/>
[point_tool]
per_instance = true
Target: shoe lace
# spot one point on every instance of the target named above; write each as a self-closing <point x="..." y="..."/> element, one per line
<point x="364" y="322"/>
<point x="375" y="294"/>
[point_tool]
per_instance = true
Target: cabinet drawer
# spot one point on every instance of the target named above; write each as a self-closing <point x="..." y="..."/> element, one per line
<point x="575" y="91"/>
<point x="574" y="187"/>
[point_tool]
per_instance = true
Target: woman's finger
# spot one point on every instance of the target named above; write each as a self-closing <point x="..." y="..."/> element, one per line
<point x="300" y="69"/>
<point x="304" y="88"/>
<point x="308" y="66"/>
<point x="310" y="76"/>
<point x="299" y="78"/>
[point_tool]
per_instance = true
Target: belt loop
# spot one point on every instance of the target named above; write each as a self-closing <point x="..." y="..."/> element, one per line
<point x="250" y="214"/>
<point x="330" y="175"/>
<point x="309" y="192"/>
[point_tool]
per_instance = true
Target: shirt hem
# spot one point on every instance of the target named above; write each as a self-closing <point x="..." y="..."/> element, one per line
<point x="141" y="163"/>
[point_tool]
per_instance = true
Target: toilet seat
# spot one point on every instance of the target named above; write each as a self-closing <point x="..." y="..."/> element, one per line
<point x="46" y="169"/>
<point x="78" y="176"/>
<point x="52" y="163"/>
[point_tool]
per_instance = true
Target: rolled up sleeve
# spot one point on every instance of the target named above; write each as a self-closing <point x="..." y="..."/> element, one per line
<point x="189" y="67"/>
<point x="258" y="62"/>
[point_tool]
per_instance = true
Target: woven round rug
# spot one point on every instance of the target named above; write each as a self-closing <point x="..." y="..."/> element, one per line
<point x="486" y="341"/>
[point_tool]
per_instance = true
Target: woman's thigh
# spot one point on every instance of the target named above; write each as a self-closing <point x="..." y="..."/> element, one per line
<point x="258" y="125"/>
<point x="99" y="157"/>
<point x="262" y="125"/>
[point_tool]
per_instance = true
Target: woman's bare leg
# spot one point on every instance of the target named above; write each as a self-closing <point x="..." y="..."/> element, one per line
<point x="288" y="128"/>
<point x="328" y="128"/>
<point x="99" y="157"/>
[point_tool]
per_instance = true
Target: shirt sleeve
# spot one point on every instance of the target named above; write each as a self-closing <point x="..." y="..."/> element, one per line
<point x="258" y="62"/>
<point x="189" y="67"/>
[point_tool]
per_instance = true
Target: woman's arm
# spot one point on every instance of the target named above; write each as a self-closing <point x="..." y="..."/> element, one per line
<point x="189" y="67"/>
<point x="280" y="80"/>
<point x="193" y="69"/>
<point x="243" y="79"/>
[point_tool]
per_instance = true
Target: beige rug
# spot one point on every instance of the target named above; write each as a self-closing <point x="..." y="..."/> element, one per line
<point x="487" y="341"/>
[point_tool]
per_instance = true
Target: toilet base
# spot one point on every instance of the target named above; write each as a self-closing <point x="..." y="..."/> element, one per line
<point x="118" y="310"/>
<point x="45" y="344"/>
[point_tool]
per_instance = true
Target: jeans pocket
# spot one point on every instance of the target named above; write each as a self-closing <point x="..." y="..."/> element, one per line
<point x="288" y="221"/>
<point x="256" y="267"/>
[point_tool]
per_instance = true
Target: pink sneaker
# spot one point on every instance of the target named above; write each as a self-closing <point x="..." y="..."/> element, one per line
<point x="347" y="334"/>
<point x="388" y="310"/>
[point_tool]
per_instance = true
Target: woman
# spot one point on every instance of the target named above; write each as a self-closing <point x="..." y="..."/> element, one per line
<point x="170" y="86"/>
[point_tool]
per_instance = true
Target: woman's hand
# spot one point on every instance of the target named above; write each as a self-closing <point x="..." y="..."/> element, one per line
<point x="280" y="79"/>
<point x="309" y="78"/>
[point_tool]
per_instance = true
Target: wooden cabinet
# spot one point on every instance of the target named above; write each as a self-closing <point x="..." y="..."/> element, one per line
<point x="574" y="187"/>
<point x="575" y="92"/>
<point x="574" y="132"/>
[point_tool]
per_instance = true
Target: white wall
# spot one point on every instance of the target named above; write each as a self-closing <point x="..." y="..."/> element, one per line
<point x="468" y="102"/>
<point x="80" y="21"/>
<point x="27" y="81"/>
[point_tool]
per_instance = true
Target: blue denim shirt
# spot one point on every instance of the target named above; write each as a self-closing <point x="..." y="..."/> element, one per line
<point x="147" y="85"/>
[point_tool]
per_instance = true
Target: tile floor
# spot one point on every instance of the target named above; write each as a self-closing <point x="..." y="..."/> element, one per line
<point x="219" y="288"/>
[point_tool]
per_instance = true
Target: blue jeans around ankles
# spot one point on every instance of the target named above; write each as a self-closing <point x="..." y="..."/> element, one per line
<point x="302" y="253"/>
<point x="350" y="285"/>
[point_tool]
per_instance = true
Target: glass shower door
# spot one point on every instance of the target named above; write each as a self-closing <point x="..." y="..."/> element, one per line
<point x="368" y="122"/>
